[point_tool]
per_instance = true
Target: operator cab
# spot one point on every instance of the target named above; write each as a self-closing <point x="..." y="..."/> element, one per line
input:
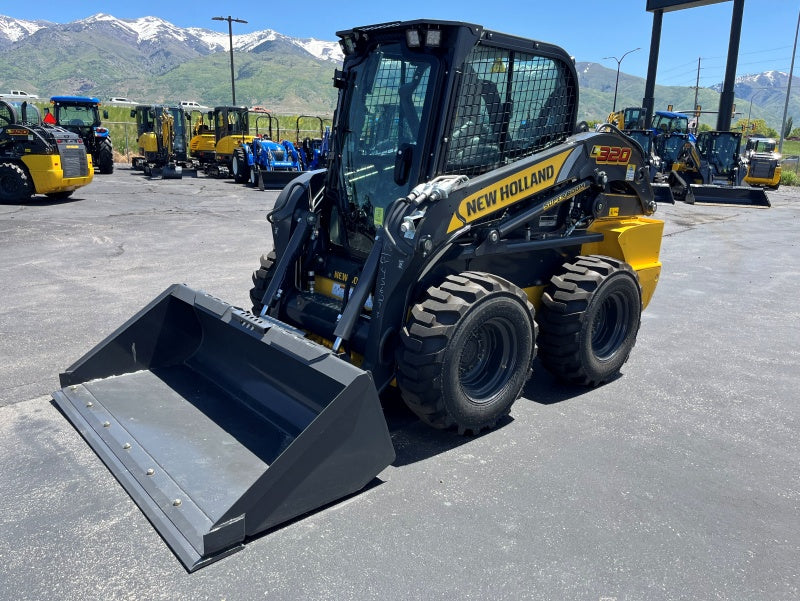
<point x="427" y="98"/>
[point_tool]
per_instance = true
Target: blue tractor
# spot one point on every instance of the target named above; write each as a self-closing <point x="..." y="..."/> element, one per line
<point x="81" y="115"/>
<point x="313" y="151"/>
<point x="265" y="162"/>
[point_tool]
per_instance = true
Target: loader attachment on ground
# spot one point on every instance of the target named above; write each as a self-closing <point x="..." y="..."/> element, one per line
<point x="275" y="180"/>
<point x="733" y="195"/>
<point x="220" y="424"/>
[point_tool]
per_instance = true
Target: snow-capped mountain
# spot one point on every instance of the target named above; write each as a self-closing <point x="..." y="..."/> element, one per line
<point x="13" y="30"/>
<point x="155" y="31"/>
<point x="762" y="87"/>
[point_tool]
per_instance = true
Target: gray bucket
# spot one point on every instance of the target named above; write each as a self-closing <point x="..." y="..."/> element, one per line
<point x="220" y="424"/>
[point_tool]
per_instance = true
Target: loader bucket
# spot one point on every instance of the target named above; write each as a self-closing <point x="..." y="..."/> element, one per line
<point x="663" y="193"/>
<point x="220" y="424"/>
<point x="735" y="195"/>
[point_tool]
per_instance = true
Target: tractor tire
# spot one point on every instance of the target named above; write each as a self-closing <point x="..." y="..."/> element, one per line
<point x="105" y="157"/>
<point x="589" y="320"/>
<point x="261" y="279"/>
<point x="15" y="183"/>
<point x="466" y="352"/>
<point x="239" y="166"/>
<point x="253" y="176"/>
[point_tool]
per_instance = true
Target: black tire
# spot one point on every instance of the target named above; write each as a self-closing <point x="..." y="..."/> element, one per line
<point x="105" y="157"/>
<point x="261" y="279"/>
<point x="589" y="320"/>
<point x="253" y="176"/>
<point x="15" y="184"/>
<point x="239" y="166"/>
<point x="466" y="352"/>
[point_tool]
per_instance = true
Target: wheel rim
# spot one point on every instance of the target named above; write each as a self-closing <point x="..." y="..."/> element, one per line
<point x="485" y="363"/>
<point x="610" y="325"/>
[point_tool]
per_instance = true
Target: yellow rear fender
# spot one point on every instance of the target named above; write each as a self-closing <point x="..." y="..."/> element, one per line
<point x="47" y="174"/>
<point x="637" y="241"/>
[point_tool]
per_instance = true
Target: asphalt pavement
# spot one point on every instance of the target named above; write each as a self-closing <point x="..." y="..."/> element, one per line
<point x="678" y="480"/>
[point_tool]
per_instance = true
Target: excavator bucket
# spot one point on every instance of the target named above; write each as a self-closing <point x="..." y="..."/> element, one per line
<point x="220" y="424"/>
<point x="168" y="171"/>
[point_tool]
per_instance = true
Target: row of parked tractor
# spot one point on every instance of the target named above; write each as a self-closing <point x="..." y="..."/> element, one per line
<point x="707" y="166"/>
<point x="173" y="142"/>
<point x="58" y="149"/>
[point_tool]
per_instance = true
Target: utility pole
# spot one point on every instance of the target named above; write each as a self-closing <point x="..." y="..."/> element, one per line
<point x="789" y="86"/>
<point x="696" y="90"/>
<point x="230" y="20"/>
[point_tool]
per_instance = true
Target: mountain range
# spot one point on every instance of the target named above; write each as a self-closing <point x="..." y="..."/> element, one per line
<point x="151" y="60"/>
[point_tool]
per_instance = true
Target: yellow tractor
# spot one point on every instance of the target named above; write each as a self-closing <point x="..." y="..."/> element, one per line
<point x="461" y="228"/>
<point x="231" y="129"/>
<point x="37" y="158"/>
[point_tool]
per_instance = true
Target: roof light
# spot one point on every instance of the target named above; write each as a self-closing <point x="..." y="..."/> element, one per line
<point x="412" y="38"/>
<point x="348" y="45"/>
<point x="433" y="37"/>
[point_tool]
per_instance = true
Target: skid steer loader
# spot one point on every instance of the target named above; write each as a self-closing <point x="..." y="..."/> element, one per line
<point x="39" y="159"/>
<point x="711" y="170"/>
<point x="461" y="224"/>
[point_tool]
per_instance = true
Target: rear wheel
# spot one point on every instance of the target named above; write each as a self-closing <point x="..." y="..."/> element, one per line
<point x="466" y="351"/>
<point x="239" y="166"/>
<point x="105" y="157"/>
<point x="15" y="184"/>
<point x="589" y="319"/>
<point x="261" y="279"/>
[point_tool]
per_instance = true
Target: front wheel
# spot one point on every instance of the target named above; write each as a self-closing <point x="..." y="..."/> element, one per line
<point x="466" y="351"/>
<point x="589" y="319"/>
<point x="261" y="279"/>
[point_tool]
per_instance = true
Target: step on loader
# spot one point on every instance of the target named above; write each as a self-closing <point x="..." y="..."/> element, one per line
<point x="460" y="227"/>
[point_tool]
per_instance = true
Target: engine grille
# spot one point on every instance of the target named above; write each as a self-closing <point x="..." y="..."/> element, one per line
<point x="762" y="168"/>
<point x="73" y="158"/>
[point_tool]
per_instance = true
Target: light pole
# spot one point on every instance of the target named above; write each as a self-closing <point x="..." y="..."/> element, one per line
<point x="619" y="62"/>
<point x="230" y="20"/>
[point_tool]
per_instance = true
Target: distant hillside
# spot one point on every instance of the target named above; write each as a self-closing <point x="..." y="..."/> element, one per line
<point x="151" y="60"/>
<point x="767" y="91"/>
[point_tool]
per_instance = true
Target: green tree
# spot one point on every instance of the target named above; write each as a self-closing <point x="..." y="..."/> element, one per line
<point x="788" y="128"/>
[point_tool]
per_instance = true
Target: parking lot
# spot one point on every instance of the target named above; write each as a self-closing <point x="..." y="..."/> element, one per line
<point x="679" y="480"/>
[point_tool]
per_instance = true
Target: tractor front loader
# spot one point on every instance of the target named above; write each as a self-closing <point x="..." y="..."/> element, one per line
<point x="461" y="227"/>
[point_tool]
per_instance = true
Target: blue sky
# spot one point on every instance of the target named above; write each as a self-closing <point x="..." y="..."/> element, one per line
<point x="588" y="29"/>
